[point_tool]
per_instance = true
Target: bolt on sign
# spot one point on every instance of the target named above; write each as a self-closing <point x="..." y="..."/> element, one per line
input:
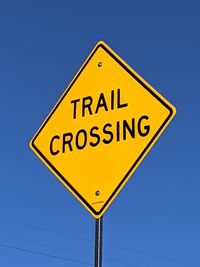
<point x="101" y="129"/>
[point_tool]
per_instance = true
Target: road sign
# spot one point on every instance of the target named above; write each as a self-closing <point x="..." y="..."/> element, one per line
<point x="101" y="129"/>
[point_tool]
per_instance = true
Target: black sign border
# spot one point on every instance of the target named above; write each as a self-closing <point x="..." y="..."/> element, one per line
<point x="101" y="45"/>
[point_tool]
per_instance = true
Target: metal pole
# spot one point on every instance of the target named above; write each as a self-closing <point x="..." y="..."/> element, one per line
<point x="98" y="242"/>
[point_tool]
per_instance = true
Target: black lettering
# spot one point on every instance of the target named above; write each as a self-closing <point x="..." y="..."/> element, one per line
<point x="112" y="100"/>
<point x="119" y="104"/>
<point x="101" y="103"/>
<point x="74" y="102"/>
<point x="67" y="139"/>
<point x="146" y="127"/>
<point x="94" y="135"/>
<point x="53" y="152"/>
<point x="87" y="102"/>
<point x="118" y="131"/>
<point x="107" y="125"/>
<point x="131" y="129"/>
<point x="84" y="133"/>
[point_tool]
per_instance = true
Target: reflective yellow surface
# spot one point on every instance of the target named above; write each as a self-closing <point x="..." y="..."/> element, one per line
<point x="101" y="128"/>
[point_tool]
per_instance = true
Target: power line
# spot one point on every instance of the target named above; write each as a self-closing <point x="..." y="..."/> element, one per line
<point x="144" y="253"/>
<point x="44" y="229"/>
<point x="66" y="250"/>
<point x="44" y="254"/>
<point x="154" y="255"/>
<point x="43" y="245"/>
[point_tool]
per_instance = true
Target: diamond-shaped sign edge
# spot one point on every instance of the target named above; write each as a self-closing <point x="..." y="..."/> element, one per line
<point x="145" y="85"/>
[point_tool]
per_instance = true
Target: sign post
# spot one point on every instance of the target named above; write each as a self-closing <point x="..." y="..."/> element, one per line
<point x="98" y="242"/>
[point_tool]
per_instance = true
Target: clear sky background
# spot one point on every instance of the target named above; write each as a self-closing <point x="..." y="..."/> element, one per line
<point x="154" y="222"/>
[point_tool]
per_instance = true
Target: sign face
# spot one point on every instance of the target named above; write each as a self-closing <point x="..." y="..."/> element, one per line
<point x="101" y="129"/>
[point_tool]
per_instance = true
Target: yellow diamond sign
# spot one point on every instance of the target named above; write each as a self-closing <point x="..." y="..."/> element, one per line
<point x="101" y="128"/>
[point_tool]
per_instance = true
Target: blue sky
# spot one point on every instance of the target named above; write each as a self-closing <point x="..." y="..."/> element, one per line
<point x="154" y="222"/>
